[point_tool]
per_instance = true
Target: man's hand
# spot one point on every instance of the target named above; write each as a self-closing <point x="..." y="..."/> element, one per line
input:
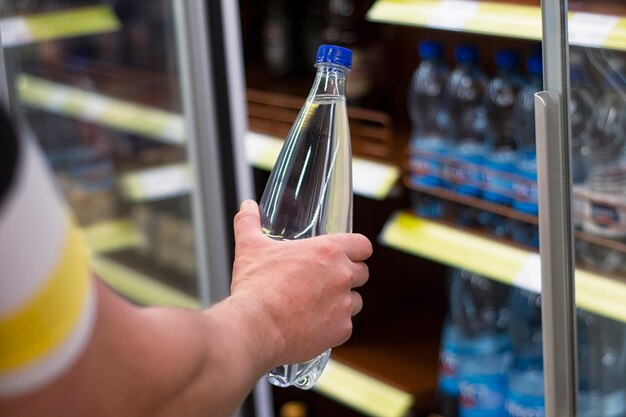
<point x="301" y="291"/>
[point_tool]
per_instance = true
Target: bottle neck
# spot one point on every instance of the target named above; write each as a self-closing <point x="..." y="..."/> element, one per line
<point x="330" y="80"/>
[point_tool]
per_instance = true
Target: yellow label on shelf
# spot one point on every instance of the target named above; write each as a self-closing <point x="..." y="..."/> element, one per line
<point x="110" y="112"/>
<point x="157" y="183"/>
<point x="362" y="392"/>
<point x="108" y="236"/>
<point x="513" y="266"/>
<point x="499" y="19"/>
<point x="370" y="179"/>
<point x="139" y="287"/>
<point x="81" y="21"/>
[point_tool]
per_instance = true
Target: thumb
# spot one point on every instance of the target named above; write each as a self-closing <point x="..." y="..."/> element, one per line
<point x="247" y="222"/>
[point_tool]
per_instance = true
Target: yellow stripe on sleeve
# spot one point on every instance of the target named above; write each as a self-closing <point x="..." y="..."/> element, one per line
<point x="45" y="321"/>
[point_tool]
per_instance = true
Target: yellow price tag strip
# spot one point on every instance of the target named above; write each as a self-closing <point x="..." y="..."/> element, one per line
<point x="499" y="19"/>
<point x="139" y="287"/>
<point x="157" y="183"/>
<point x="110" y="236"/>
<point x="107" y="111"/>
<point x="497" y="261"/>
<point x="361" y="392"/>
<point x="90" y="20"/>
<point x="370" y="179"/>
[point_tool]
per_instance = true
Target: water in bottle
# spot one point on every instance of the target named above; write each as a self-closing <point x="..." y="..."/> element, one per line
<point x="465" y="87"/>
<point x="525" y="395"/>
<point x="500" y="97"/>
<point x="605" y="206"/>
<point x="601" y="366"/>
<point x="525" y="180"/>
<point x="478" y="307"/>
<point x="429" y="122"/>
<point x="309" y="191"/>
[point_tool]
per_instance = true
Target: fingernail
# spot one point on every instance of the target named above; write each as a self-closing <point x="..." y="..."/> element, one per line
<point x="247" y="204"/>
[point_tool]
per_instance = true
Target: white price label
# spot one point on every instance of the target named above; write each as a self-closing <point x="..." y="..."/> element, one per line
<point x="529" y="274"/>
<point x="453" y="14"/>
<point x="165" y="182"/>
<point x="590" y="29"/>
<point x="15" y="31"/>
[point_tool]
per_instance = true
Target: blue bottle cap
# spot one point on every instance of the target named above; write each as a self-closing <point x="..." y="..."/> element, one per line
<point x="534" y="65"/>
<point x="507" y="59"/>
<point x="466" y="54"/>
<point x="430" y="50"/>
<point x="333" y="54"/>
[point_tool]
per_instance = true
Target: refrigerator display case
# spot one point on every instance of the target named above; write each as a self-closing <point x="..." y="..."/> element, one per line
<point x="152" y="114"/>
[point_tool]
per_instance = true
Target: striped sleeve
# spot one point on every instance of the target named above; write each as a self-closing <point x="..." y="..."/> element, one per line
<point x="47" y="300"/>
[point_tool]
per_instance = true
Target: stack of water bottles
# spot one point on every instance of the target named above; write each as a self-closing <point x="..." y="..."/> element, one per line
<point x="491" y="360"/>
<point x="475" y="136"/>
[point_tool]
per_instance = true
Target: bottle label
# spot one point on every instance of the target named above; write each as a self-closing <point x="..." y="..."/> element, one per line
<point x="604" y="215"/>
<point x="464" y="173"/>
<point x="426" y="167"/>
<point x="519" y="405"/>
<point x="449" y="362"/>
<point x="482" y="395"/>
<point x="498" y="184"/>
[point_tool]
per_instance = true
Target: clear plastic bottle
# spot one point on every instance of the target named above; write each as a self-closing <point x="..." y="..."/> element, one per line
<point x="466" y="86"/>
<point x="429" y="122"/>
<point x="605" y="208"/>
<point x="479" y="320"/>
<point x="601" y="366"/>
<point x="525" y="395"/>
<point x="309" y="191"/>
<point x="500" y="98"/>
<point x="525" y="180"/>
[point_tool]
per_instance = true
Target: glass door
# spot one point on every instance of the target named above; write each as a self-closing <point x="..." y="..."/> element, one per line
<point x="105" y="88"/>
<point x="597" y="98"/>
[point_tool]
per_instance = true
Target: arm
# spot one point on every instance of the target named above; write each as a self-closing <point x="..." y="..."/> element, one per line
<point x="164" y="361"/>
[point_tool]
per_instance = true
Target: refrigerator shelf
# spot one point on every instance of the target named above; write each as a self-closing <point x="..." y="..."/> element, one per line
<point x="497" y="260"/>
<point x="112" y="236"/>
<point x="499" y="19"/>
<point x="81" y="21"/>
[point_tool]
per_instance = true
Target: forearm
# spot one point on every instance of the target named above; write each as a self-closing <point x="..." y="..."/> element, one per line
<point x="156" y="362"/>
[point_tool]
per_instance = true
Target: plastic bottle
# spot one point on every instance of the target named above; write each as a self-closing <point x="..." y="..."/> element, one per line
<point x="478" y="325"/>
<point x="466" y="86"/>
<point x="500" y="97"/>
<point x="525" y="395"/>
<point x="428" y="115"/>
<point x="605" y="207"/>
<point x="309" y="191"/>
<point x="525" y="180"/>
<point x="601" y="366"/>
<point x="583" y="96"/>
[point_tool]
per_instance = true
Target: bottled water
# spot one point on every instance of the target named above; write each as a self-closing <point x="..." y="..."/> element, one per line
<point x="475" y="348"/>
<point x="583" y="95"/>
<point x="525" y="396"/>
<point x="425" y="103"/>
<point x="500" y="97"/>
<point x="466" y="86"/>
<point x="525" y="181"/>
<point x="309" y="191"/>
<point x="601" y="366"/>
<point x="605" y="207"/>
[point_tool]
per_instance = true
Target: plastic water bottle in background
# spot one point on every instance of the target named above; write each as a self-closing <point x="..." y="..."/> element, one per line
<point x="605" y="207"/>
<point x="466" y="86"/>
<point x="525" y="396"/>
<point x="601" y="366"/>
<point x="429" y="124"/>
<point x="583" y="96"/>
<point x="309" y="191"/>
<point x="478" y="306"/>
<point x="500" y="97"/>
<point x="525" y="181"/>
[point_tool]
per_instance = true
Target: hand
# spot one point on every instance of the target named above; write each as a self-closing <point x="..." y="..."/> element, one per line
<point x="301" y="290"/>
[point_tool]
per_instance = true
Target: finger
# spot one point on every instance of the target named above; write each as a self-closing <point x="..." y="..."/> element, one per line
<point x="357" y="247"/>
<point x="247" y="222"/>
<point x="361" y="274"/>
<point x="357" y="303"/>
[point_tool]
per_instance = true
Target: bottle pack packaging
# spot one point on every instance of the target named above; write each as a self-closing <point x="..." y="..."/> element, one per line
<point x="309" y="191"/>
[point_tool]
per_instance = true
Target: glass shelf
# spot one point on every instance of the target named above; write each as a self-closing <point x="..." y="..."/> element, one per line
<point x="499" y="19"/>
<point x="496" y="260"/>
